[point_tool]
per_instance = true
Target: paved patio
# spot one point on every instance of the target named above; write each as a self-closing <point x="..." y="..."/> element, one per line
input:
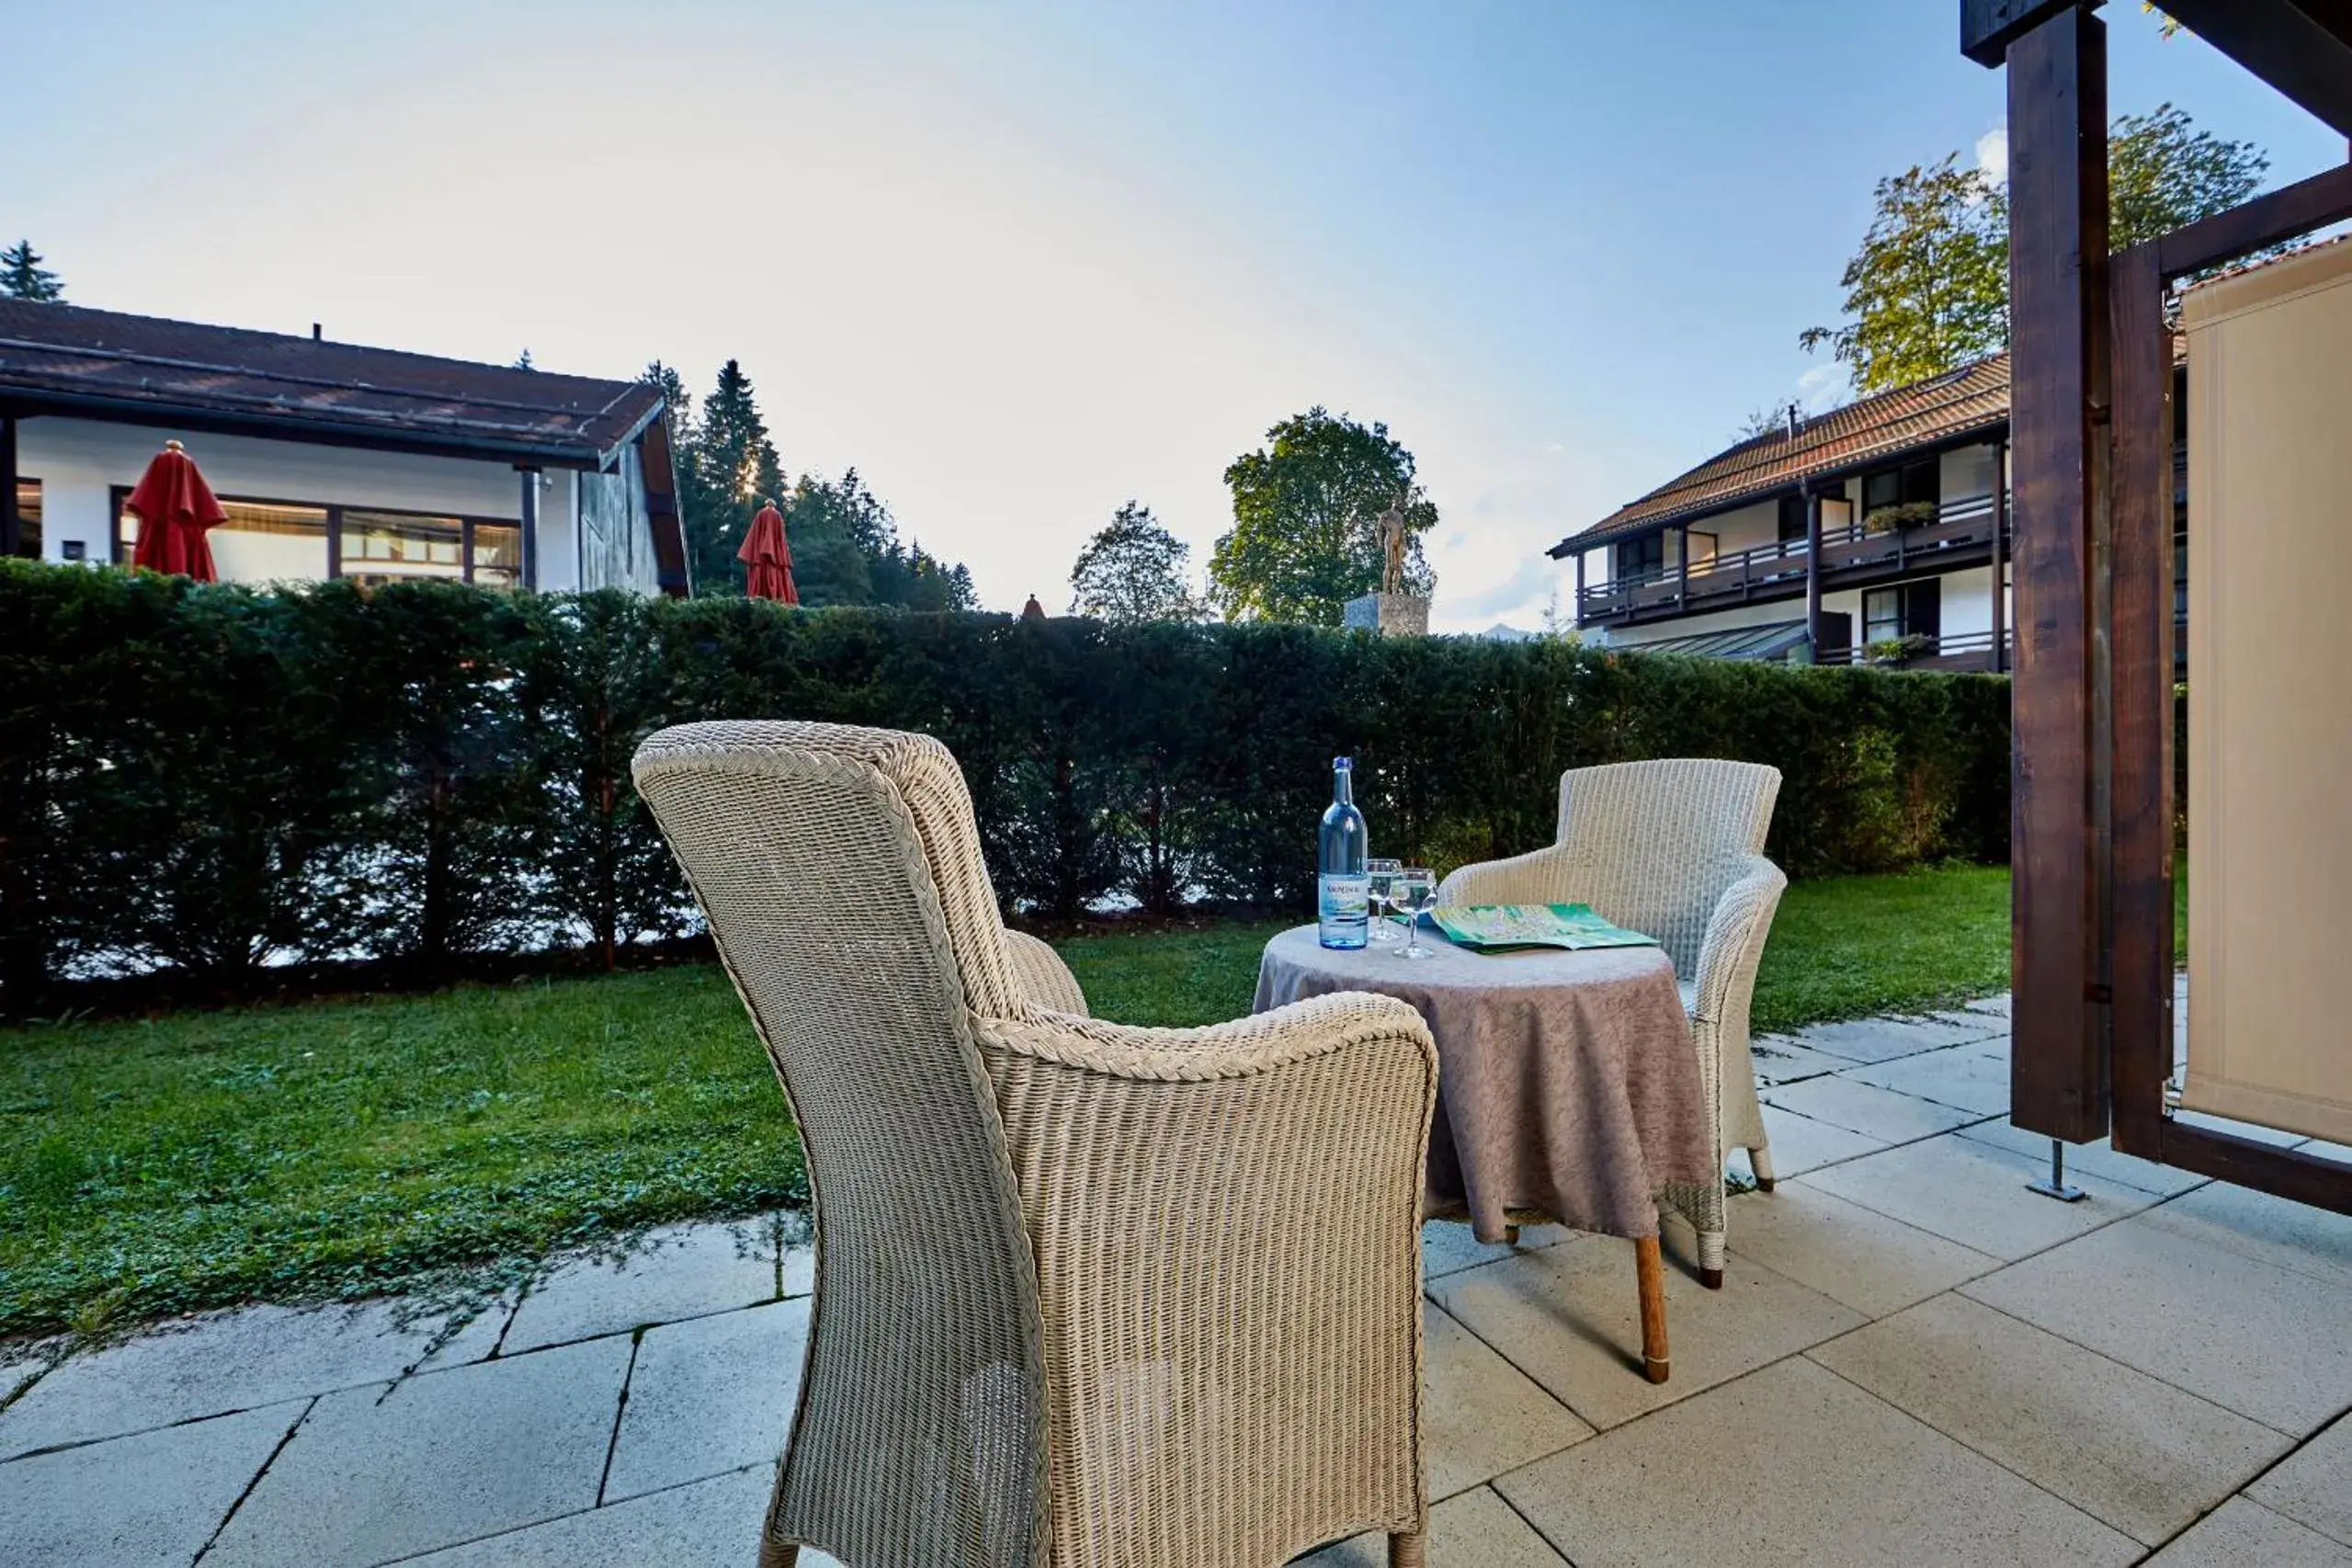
<point x="1912" y="1360"/>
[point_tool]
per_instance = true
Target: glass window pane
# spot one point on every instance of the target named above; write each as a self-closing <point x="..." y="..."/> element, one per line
<point x="263" y="541"/>
<point x="497" y="554"/>
<point x="380" y="547"/>
<point x="28" y="518"/>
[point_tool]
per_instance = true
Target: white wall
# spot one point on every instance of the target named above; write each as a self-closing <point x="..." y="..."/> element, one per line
<point x="78" y="461"/>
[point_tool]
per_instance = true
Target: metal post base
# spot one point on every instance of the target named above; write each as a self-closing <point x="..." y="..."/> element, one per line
<point x="2056" y="1185"/>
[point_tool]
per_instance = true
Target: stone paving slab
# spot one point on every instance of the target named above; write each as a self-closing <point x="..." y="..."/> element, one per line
<point x="224" y="1361"/>
<point x="1853" y="1255"/>
<point x="714" y="1523"/>
<point x="1477" y="1529"/>
<point x="2314" y="1487"/>
<point x="1971" y="1078"/>
<point x="1480" y="1414"/>
<point x="1447" y="1246"/>
<point x="2136" y="1453"/>
<point x="1884" y="1039"/>
<point x="1976" y="1194"/>
<point x="1882" y="1114"/>
<point x="1801" y="1145"/>
<point x="708" y="1396"/>
<point x="2262" y="1341"/>
<point x="160" y="1494"/>
<point x="2098" y="1159"/>
<point x="446" y="1457"/>
<point x="679" y="1272"/>
<point x="1570" y="1318"/>
<point x="2293" y="1236"/>
<point x="1796" y="1465"/>
<point x="1780" y="1059"/>
<point x="2243" y="1534"/>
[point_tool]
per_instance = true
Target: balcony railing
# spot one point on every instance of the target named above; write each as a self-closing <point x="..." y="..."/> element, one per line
<point x="1964" y="651"/>
<point x="1961" y="529"/>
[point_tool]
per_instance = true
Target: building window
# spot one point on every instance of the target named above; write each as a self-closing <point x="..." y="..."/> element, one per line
<point x="1644" y="557"/>
<point x="1907" y="609"/>
<point x="1921" y="481"/>
<point x="28" y="518"/>
<point x="1792" y="518"/>
<point x="265" y="542"/>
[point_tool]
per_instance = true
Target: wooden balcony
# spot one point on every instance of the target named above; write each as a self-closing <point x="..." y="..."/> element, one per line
<point x="1853" y="556"/>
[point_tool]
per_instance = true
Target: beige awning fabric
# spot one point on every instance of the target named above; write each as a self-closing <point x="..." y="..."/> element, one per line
<point x="2270" y="695"/>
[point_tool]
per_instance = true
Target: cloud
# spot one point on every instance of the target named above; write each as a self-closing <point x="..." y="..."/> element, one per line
<point x="1993" y="154"/>
<point x="1823" y="388"/>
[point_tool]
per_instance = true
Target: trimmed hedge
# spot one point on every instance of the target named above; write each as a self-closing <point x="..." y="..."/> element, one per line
<point x="210" y="780"/>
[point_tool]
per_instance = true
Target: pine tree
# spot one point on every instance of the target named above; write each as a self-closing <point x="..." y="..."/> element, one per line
<point x="523" y="361"/>
<point x="733" y="469"/>
<point x="22" y="277"/>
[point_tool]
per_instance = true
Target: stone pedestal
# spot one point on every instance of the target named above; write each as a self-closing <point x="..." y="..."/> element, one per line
<point x="1390" y="615"/>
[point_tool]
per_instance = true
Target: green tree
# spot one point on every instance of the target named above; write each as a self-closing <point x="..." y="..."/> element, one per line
<point x="1929" y="289"/>
<point x="1134" y="571"/>
<point x="1306" y="521"/>
<point x="22" y="277"/>
<point x="732" y="468"/>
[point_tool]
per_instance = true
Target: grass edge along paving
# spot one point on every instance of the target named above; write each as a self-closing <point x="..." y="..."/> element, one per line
<point x="347" y="1148"/>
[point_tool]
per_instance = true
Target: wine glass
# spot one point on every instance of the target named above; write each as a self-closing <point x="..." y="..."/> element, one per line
<point x="1414" y="889"/>
<point x="1379" y="876"/>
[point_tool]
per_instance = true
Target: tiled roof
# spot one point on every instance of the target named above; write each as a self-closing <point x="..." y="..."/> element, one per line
<point x="1973" y="398"/>
<point x="58" y="359"/>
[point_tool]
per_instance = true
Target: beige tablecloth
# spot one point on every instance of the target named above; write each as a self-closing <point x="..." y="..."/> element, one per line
<point x="1566" y="1082"/>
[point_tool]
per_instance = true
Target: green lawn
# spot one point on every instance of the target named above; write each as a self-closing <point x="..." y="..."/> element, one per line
<point x="340" y="1148"/>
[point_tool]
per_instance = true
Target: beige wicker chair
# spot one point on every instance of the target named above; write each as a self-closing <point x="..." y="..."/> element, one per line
<point x="1674" y="848"/>
<point x="1087" y="1295"/>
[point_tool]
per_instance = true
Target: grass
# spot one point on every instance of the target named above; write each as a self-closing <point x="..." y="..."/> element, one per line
<point x="344" y="1148"/>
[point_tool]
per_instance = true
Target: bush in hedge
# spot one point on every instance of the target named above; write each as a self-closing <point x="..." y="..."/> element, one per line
<point x="208" y="779"/>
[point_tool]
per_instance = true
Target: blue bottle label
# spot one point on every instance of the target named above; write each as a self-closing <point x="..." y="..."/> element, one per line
<point x="1344" y="909"/>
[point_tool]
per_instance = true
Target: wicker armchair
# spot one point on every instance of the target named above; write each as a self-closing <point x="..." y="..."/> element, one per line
<point x="1087" y="1294"/>
<point x="1674" y="848"/>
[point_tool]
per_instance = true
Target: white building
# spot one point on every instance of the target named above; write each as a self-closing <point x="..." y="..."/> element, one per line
<point x="1875" y="532"/>
<point x="333" y="459"/>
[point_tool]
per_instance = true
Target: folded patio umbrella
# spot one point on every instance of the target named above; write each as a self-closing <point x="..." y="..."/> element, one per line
<point x="768" y="559"/>
<point x="175" y="506"/>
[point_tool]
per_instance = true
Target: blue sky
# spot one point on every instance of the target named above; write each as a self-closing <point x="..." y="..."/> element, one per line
<point x="1019" y="263"/>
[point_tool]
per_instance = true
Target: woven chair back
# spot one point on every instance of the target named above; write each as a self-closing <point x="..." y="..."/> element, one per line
<point x="841" y="874"/>
<point x="1656" y="842"/>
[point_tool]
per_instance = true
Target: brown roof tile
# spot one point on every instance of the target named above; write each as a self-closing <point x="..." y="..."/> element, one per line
<point x="59" y="357"/>
<point x="1973" y="398"/>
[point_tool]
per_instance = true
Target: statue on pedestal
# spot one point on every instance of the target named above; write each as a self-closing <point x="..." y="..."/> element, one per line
<point x="1392" y="546"/>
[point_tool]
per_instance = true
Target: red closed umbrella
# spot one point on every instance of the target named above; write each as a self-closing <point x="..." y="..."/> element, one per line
<point x="175" y="506"/>
<point x="768" y="559"/>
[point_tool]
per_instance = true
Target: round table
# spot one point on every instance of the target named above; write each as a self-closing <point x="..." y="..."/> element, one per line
<point x="1568" y="1085"/>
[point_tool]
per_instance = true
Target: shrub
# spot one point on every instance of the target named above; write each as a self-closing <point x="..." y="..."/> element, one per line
<point x="209" y="780"/>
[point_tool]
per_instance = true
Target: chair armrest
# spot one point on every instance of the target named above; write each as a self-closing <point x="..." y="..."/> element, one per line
<point x="1541" y="876"/>
<point x="1734" y="945"/>
<point x="1044" y="978"/>
<point x="1226" y="1222"/>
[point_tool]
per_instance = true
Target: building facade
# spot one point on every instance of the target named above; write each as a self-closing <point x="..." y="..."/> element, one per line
<point x="333" y="459"/>
<point x="1876" y="533"/>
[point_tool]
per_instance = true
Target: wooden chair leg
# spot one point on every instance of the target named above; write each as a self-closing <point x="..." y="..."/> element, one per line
<point x="1650" y="1270"/>
<point x="1405" y="1551"/>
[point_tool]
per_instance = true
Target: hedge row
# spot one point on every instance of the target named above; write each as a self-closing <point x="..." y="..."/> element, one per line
<point x="214" y="778"/>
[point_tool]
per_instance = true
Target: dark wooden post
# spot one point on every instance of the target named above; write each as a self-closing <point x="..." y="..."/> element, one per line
<point x="2058" y="370"/>
<point x="1579" y="617"/>
<point x="531" y="525"/>
<point x="2000" y="555"/>
<point x="1682" y="567"/>
<point x="11" y="526"/>
<point x="1812" y="569"/>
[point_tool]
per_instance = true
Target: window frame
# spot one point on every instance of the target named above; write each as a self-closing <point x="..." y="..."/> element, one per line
<point x="468" y="522"/>
<point x="32" y="529"/>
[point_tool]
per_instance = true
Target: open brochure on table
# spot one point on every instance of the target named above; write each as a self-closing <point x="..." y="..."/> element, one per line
<point x="1497" y="926"/>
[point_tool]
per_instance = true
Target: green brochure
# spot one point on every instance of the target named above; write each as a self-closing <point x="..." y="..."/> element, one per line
<point x="1570" y="926"/>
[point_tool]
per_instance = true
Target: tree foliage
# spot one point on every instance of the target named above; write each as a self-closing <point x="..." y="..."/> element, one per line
<point x="1134" y="571"/>
<point x="22" y="277"/>
<point x="725" y="471"/>
<point x="1307" y="507"/>
<point x="1928" y="290"/>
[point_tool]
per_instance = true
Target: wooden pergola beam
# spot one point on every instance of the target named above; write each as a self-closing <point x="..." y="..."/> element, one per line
<point x="2304" y="48"/>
